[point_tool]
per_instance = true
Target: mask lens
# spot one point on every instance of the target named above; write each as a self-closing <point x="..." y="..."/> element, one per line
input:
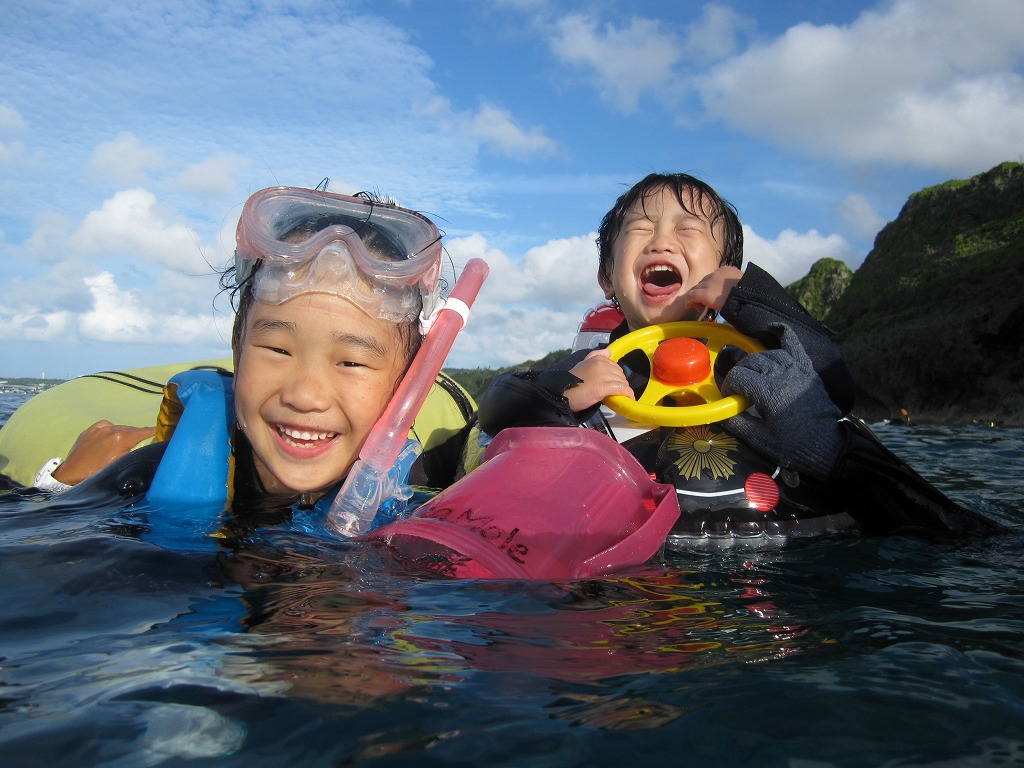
<point x="398" y="251"/>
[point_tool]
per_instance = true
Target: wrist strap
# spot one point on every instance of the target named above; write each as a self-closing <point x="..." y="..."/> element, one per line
<point x="44" y="477"/>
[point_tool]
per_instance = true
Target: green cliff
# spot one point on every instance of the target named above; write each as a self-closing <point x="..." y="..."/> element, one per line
<point x="933" y="320"/>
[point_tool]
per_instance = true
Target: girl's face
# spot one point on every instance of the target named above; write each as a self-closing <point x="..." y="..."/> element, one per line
<point x="660" y="253"/>
<point x="312" y="376"/>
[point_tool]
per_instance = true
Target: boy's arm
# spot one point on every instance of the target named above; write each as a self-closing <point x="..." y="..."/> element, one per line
<point x="799" y="427"/>
<point x="531" y="398"/>
<point x="758" y="301"/>
<point x="886" y="496"/>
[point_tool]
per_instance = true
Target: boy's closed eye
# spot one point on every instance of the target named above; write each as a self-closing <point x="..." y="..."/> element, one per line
<point x="640" y="225"/>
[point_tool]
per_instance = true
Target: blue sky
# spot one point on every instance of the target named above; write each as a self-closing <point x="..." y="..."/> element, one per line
<point x="131" y="134"/>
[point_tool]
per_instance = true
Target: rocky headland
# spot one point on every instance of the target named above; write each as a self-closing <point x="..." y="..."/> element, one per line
<point x="932" y="323"/>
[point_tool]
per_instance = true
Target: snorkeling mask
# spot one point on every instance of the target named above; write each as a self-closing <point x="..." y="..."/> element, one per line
<point x="384" y="259"/>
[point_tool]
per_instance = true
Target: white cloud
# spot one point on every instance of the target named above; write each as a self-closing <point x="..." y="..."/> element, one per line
<point x="630" y="61"/>
<point x="715" y="34"/>
<point x="475" y="246"/>
<point x="116" y="315"/>
<point x="48" y="241"/>
<point x="11" y="121"/>
<point x="922" y="83"/>
<point x="193" y="294"/>
<point x="623" y="62"/>
<point x="121" y="316"/>
<point x="16" y="325"/>
<point x="527" y="307"/>
<point x="131" y="223"/>
<point x="559" y="272"/>
<point x="9" y="151"/>
<point x="495" y="126"/>
<point x="490" y="126"/>
<point x="125" y="159"/>
<point x="789" y="257"/>
<point x="562" y="271"/>
<point x="858" y="212"/>
<point x="507" y="335"/>
<point x="214" y="176"/>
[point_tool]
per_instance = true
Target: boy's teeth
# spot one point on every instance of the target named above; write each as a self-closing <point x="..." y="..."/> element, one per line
<point x="658" y="268"/>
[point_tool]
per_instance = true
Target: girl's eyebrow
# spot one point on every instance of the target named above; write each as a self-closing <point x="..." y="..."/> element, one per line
<point x="369" y="343"/>
<point x="270" y="324"/>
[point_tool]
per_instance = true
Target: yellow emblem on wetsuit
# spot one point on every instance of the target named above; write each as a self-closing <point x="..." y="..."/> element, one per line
<point x="700" y="448"/>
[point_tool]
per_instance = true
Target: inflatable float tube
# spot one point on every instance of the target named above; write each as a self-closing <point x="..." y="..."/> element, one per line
<point x="730" y="496"/>
<point x="48" y="424"/>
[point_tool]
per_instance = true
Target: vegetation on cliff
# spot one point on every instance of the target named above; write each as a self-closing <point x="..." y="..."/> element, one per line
<point x="821" y="288"/>
<point x="933" y="320"/>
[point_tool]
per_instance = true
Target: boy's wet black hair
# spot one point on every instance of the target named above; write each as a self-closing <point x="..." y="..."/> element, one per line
<point x="690" y="191"/>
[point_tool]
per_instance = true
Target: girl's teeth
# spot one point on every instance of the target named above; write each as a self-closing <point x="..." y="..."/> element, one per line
<point x="306" y="436"/>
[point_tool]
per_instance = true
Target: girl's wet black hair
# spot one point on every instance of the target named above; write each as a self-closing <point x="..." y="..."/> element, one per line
<point x="690" y="191"/>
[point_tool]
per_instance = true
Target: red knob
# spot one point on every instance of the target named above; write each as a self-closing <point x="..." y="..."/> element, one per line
<point x="681" y="361"/>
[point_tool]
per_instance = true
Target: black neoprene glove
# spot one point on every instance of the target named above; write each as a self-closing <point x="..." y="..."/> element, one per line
<point x="798" y="425"/>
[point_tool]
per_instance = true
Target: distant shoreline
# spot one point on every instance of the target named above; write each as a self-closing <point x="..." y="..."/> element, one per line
<point x="16" y="384"/>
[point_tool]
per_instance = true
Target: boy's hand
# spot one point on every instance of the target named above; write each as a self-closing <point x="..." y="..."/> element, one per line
<point x="99" y="445"/>
<point x="601" y="377"/>
<point x="713" y="290"/>
<point x="798" y="425"/>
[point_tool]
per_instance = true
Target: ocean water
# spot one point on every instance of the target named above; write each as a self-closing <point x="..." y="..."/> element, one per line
<point x="272" y="650"/>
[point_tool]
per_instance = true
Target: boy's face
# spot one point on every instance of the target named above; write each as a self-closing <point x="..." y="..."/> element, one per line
<point x="312" y="376"/>
<point x="660" y="253"/>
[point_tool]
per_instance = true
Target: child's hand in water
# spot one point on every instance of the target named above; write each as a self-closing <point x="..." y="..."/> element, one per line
<point x="713" y="290"/>
<point x="601" y="377"/>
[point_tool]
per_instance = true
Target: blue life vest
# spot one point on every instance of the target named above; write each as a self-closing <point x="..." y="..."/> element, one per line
<point x="196" y="467"/>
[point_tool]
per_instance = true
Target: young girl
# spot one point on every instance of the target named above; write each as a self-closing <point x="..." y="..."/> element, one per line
<point x="332" y="292"/>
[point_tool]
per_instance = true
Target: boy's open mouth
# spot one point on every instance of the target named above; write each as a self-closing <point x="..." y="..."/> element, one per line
<point x="660" y="280"/>
<point x="303" y="438"/>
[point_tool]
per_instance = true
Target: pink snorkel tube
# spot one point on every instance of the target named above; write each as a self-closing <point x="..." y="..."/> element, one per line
<point x="369" y="482"/>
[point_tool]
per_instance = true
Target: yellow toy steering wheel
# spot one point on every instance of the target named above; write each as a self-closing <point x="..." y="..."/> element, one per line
<point x="681" y="368"/>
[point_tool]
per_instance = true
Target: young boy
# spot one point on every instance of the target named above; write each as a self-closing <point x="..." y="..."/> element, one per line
<point x="670" y="249"/>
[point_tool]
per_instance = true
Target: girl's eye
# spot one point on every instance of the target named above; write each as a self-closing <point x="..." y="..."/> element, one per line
<point x="271" y="348"/>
